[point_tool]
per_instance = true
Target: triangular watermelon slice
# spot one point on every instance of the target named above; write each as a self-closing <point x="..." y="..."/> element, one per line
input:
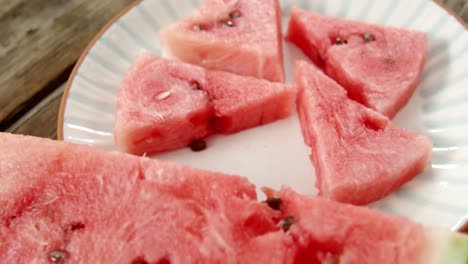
<point x="165" y="104"/>
<point x="326" y="231"/>
<point x="379" y="66"/>
<point x="65" y="203"/>
<point x="359" y="155"/>
<point x="238" y="36"/>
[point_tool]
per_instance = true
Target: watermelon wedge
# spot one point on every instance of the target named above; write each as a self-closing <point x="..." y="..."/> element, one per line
<point x="164" y="104"/>
<point x="359" y="155"/>
<point x="326" y="231"/>
<point x="65" y="203"/>
<point x="238" y="36"/>
<point x="379" y="66"/>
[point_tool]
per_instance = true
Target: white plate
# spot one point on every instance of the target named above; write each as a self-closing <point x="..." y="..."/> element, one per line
<point x="275" y="154"/>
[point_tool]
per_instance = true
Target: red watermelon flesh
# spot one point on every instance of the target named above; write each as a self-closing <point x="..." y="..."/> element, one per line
<point x="65" y="203"/>
<point x="379" y="66"/>
<point x="330" y="232"/>
<point x="91" y="206"/>
<point x="238" y="36"/>
<point x="242" y="103"/>
<point x="164" y="104"/>
<point x="359" y="155"/>
<point x="156" y="102"/>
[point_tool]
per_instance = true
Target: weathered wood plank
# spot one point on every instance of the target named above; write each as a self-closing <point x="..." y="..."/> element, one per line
<point x="5" y="6"/>
<point x="39" y="42"/>
<point x="460" y="7"/>
<point x="41" y="120"/>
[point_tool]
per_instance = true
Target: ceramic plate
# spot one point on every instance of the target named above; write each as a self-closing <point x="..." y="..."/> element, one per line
<point x="275" y="154"/>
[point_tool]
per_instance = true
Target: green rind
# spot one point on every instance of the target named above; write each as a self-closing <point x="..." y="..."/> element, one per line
<point x="456" y="250"/>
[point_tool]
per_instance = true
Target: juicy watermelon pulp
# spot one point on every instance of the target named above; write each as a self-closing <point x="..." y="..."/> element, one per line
<point x="164" y="105"/>
<point x="66" y="203"/>
<point x="379" y="66"/>
<point x="92" y="206"/>
<point x="329" y="232"/>
<point x="238" y="36"/>
<point x="359" y="155"/>
<point x="325" y="231"/>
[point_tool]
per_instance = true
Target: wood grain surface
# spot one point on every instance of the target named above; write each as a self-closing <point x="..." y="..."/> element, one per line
<point x="39" y="44"/>
<point x="40" y="41"/>
<point x="36" y="121"/>
<point x="460" y="7"/>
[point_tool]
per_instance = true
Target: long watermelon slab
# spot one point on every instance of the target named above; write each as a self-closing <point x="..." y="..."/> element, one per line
<point x="359" y="155"/>
<point x="239" y="36"/>
<point x="379" y="66"/>
<point x="165" y="104"/>
<point x="66" y="203"/>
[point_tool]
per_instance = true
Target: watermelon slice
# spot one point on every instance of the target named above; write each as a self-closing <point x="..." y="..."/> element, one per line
<point x="359" y="155"/>
<point x="164" y="104"/>
<point x="67" y="203"/>
<point x="379" y="66"/>
<point x="238" y="36"/>
<point x="329" y="232"/>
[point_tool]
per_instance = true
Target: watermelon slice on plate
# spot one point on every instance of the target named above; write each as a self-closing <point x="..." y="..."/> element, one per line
<point x="164" y="104"/>
<point x="379" y="66"/>
<point x="329" y="232"/>
<point x="238" y="36"/>
<point x="359" y="155"/>
<point x="65" y="203"/>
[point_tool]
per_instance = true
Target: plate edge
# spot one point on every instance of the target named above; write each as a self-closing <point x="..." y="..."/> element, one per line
<point x="63" y="101"/>
<point x="452" y="13"/>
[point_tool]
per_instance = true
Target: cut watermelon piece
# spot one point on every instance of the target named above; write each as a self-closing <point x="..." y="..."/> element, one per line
<point x="238" y="36"/>
<point x="68" y="203"/>
<point x="379" y="66"/>
<point x="359" y="155"/>
<point x="329" y="232"/>
<point x="164" y="104"/>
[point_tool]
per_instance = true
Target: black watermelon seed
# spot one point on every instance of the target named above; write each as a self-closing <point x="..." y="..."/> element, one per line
<point x="197" y="28"/>
<point x="195" y="85"/>
<point x="235" y="14"/>
<point x="197" y="145"/>
<point x="58" y="256"/>
<point x="339" y="41"/>
<point x="286" y="223"/>
<point x="274" y="202"/>
<point x="368" y="37"/>
<point x="228" y="23"/>
<point x="77" y="226"/>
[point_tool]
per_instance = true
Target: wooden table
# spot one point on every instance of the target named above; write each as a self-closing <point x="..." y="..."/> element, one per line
<point x="40" y="42"/>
